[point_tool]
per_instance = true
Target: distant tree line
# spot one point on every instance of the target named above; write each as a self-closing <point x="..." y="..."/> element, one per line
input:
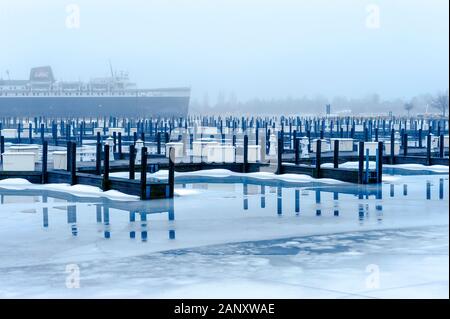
<point x="370" y="104"/>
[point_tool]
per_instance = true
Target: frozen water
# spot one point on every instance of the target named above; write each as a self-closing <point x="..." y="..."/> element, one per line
<point x="255" y="237"/>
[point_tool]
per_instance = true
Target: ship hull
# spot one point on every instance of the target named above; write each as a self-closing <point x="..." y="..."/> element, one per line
<point x="128" y="106"/>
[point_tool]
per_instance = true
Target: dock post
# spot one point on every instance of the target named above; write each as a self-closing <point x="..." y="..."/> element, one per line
<point x="119" y="144"/>
<point x="405" y="144"/>
<point x="392" y="147"/>
<point x="441" y="145"/>
<point x="98" y="158"/>
<point x="30" y="133"/>
<point x="318" y="158"/>
<point x="360" y="162"/>
<point x="105" y="181"/>
<point x="420" y="138"/>
<point x="2" y="147"/>
<point x="245" y="163"/>
<point x="158" y="143"/>
<point x="144" y="173"/>
<point x="429" y="149"/>
<point x="380" y="162"/>
<point x="280" y="155"/>
<point x="42" y="133"/>
<point x="18" y="133"/>
<point x="171" y="171"/>
<point x="336" y="154"/>
<point x="296" y="148"/>
<point x="73" y="163"/>
<point x="44" y="162"/>
<point x="376" y="134"/>
<point x="68" y="153"/>
<point x="132" y="161"/>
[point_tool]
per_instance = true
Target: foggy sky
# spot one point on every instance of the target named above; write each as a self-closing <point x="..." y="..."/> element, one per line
<point x="254" y="48"/>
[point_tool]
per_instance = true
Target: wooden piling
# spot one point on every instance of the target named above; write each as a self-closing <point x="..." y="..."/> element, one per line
<point x="380" y="162"/>
<point x="361" y="162"/>
<point x="73" y="163"/>
<point x="98" y="158"/>
<point x="143" y="183"/>
<point x="280" y="155"/>
<point x="245" y="162"/>
<point x="336" y="154"/>
<point x="171" y="171"/>
<point x="132" y="159"/>
<point x="44" y="161"/>
<point x="105" y="180"/>
<point x="429" y="149"/>
<point x="318" y="158"/>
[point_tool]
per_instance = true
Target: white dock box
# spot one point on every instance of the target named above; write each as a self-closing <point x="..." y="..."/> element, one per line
<point x="254" y="153"/>
<point x="178" y="149"/>
<point x="59" y="160"/>
<point x="9" y="132"/>
<point x="221" y="154"/>
<point x="200" y="148"/>
<point x="387" y="148"/>
<point x="18" y="161"/>
<point x="371" y="146"/>
<point x="116" y="130"/>
<point x="98" y="130"/>
<point x="324" y="146"/>
<point x="345" y="144"/>
<point x="30" y="148"/>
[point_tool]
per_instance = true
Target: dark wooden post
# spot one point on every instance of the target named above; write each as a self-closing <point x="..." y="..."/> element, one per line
<point x="68" y="153"/>
<point x="98" y="159"/>
<point x="318" y="158"/>
<point x="132" y="161"/>
<point x="245" y="163"/>
<point x="280" y="154"/>
<point x="429" y="149"/>
<point x="420" y="138"/>
<point x="158" y="143"/>
<point x="441" y="145"/>
<point x="361" y="163"/>
<point x="105" y="181"/>
<point x="392" y="147"/>
<point x="144" y="173"/>
<point x="73" y="164"/>
<point x="119" y="145"/>
<point x="42" y="133"/>
<point x="405" y="144"/>
<point x="44" y="162"/>
<point x="296" y="148"/>
<point x="2" y="147"/>
<point x="380" y="162"/>
<point x="336" y="154"/>
<point x="30" y="133"/>
<point x="171" y="171"/>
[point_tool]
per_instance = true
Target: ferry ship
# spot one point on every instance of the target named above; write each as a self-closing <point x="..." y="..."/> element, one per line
<point x="115" y="95"/>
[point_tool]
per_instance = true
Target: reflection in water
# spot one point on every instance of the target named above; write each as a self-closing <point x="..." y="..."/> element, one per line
<point x="45" y="212"/>
<point x="318" y="207"/>
<point x="72" y="218"/>
<point x="138" y="211"/>
<point x="279" y="200"/>
<point x="245" y="189"/>
<point x="263" y="196"/>
<point x="336" y="203"/>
